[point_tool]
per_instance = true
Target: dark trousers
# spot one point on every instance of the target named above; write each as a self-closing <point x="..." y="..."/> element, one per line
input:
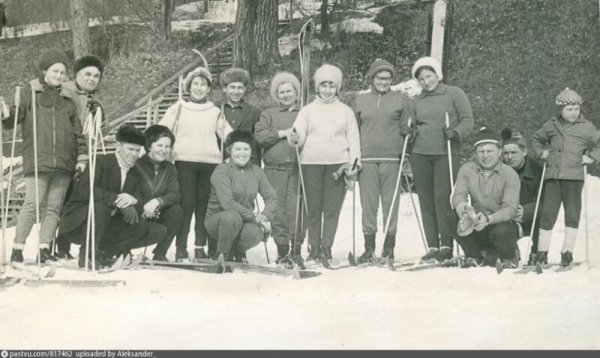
<point x="171" y="218"/>
<point x="567" y="192"/>
<point x="232" y="232"/>
<point x="497" y="240"/>
<point x="285" y="182"/>
<point x="324" y="198"/>
<point x="377" y="182"/>
<point x="194" y="183"/>
<point x="432" y="180"/>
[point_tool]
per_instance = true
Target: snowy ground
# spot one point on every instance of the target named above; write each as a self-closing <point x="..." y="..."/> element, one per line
<point x="368" y="308"/>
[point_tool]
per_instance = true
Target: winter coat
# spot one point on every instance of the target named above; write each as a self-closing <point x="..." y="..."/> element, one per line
<point x="567" y="143"/>
<point x="379" y="119"/>
<point x="244" y="118"/>
<point x="429" y="113"/>
<point x="158" y="182"/>
<point x="530" y="175"/>
<point x="276" y="150"/>
<point x="82" y="100"/>
<point x="60" y="142"/>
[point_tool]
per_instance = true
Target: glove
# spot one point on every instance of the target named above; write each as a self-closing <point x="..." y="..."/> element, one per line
<point x="77" y="175"/>
<point x="130" y="216"/>
<point x="93" y="105"/>
<point x="408" y="131"/>
<point x="450" y="133"/>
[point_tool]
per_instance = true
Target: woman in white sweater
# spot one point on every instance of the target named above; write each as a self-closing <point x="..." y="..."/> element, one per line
<point x="196" y="124"/>
<point x="327" y="134"/>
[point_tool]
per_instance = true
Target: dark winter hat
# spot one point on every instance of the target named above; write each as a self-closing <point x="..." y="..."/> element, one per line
<point x="380" y="65"/>
<point x="156" y="132"/>
<point x="87" y="61"/>
<point x="234" y="74"/>
<point x="512" y="137"/>
<point x="485" y="136"/>
<point x="129" y="134"/>
<point x="198" y="72"/>
<point x="568" y="97"/>
<point x="50" y="57"/>
<point x="239" y="136"/>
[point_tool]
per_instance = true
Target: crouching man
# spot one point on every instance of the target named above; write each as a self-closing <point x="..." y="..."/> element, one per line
<point x="494" y="190"/>
<point x="117" y="223"/>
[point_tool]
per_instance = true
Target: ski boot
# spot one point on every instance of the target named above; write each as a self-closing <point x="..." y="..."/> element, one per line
<point x="541" y="258"/>
<point x="472" y="262"/>
<point x="325" y="257"/>
<point x="299" y="261"/>
<point x="16" y="256"/>
<point x="181" y="255"/>
<point x="160" y="257"/>
<point x="46" y="255"/>
<point x="199" y="253"/>
<point x="64" y="255"/>
<point x="430" y="255"/>
<point x="369" y="254"/>
<point x="566" y="258"/>
<point x="388" y="247"/>
<point x="387" y="253"/>
<point x="444" y="254"/>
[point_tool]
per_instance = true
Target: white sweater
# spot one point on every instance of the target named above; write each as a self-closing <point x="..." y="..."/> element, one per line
<point x="195" y="128"/>
<point x="328" y="133"/>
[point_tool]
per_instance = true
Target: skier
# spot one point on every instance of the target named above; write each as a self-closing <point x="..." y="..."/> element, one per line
<point x="514" y="154"/>
<point x="429" y="157"/>
<point x="281" y="165"/>
<point x="380" y="114"/>
<point x="327" y="133"/>
<point x="566" y="143"/>
<point x="117" y="223"/>
<point x="196" y="124"/>
<point x="234" y="187"/>
<point x="494" y="190"/>
<point x="159" y="186"/>
<point x="240" y="114"/>
<point x="82" y="90"/>
<point x="61" y="150"/>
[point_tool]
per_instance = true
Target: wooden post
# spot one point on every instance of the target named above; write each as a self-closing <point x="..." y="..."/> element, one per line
<point x="437" y="32"/>
<point x="149" y="110"/>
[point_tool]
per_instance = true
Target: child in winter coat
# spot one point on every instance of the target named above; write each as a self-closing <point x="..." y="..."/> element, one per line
<point x="566" y="143"/>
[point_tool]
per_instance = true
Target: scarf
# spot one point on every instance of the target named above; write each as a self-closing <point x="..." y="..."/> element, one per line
<point x="124" y="168"/>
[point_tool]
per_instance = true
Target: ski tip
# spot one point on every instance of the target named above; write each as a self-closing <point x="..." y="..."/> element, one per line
<point x="538" y="269"/>
<point x="296" y="274"/>
<point x="499" y="267"/>
<point x="352" y="259"/>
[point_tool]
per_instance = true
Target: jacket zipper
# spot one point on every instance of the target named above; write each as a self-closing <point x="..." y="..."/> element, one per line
<point x="378" y="98"/>
<point x="54" y="136"/>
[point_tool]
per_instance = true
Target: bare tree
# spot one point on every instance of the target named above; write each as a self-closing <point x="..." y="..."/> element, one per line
<point x="326" y="10"/>
<point x="255" y="45"/>
<point x="79" y="26"/>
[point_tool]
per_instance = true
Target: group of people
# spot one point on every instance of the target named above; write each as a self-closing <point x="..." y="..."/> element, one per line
<point x="205" y="162"/>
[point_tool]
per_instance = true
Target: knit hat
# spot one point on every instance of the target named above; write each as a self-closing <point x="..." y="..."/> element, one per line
<point x="380" y="65"/>
<point x="239" y="136"/>
<point x="512" y="137"/>
<point x="327" y="73"/>
<point x="129" y="134"/>
<point x="234" y="74"/>
<point x="50" y="57"/>
<point x="281" y="78"/>
<point x="486" y="135"/>
<point x="568" y="97"/>
<point x="87" y="61"/>
<point x="156" y="132"/>
<point x="199" y="71"/>
<point x="430" y="62"/>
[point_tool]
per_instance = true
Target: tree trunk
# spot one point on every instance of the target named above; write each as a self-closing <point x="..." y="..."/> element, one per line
<point x="168" y="9"/>
<point x="255" y="45"/>
<point x="79" y="26"/>
<point x="324" y="19"/>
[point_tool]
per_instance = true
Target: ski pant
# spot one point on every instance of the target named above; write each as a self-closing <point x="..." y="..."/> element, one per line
<point x="324" y="198"/>
<point x="284" y="180"/>
<point x="432" y="180"/>
<point x="567" y="192"/>
<point x="377" y="182"/>
<point x="171" y="218"/>
<point x="194" y="183"/>
<point x="232" y="232"/>
<point x="497" y="240"/>
<point x="52" y="188"/>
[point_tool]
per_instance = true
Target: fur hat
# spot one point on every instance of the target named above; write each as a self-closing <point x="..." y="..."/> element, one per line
<point x="327" y="73"/>
<point x="568" y="97"/>
<point x="129" y="134"/>
<point x="199" y="71"/>
<point x="87" y="61"/>
<point x="234" y="74"/>
<point x="380" y="65"/>
<point x="486" y="135"/>
<point x="429" y="62"/>
<point x="156" y="132"/>
<point x="512" y="137"/>
<point x="239" y="136"/>
<point x="281" y="78"/>
<point x="50" y="57"/>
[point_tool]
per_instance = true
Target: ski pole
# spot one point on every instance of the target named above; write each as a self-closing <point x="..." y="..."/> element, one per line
<point x="10" y="170"/>
<point x="586" y="227"/>
<point x="36" y="177"/>
<point x="3" y="207"/>
<point x="416" y="213"/>
<point x="450" y="172"/>
<point x="537" y="204"/>
<point x="300" y="174"/>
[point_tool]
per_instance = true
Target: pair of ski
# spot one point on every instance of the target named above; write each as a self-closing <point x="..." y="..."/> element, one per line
<point x="539" y="269"/>
<point x="23" y="272"/>
<point x="409" y="264"/>
<point x="32" y="276"/>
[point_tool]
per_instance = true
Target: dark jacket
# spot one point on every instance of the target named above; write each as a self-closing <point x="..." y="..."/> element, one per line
<point x="60" y="142"/>
<point x="530" y="175"/>
<point x="158" y="182"/>
<point x="276" y="151"/>
<point x="567" y="143"/>
<point x="84" y="101"/>
<point x="244" y="118"/>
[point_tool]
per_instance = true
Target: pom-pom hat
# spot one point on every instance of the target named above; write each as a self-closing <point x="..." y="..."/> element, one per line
<point x="485" y="136"/>
<point x="568" y="97"/>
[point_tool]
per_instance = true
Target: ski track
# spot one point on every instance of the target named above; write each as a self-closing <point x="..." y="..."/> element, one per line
<point x="367" y="308"/>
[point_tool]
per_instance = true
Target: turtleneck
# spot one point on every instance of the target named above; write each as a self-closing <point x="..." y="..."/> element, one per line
<point x="331" y="100"/>
<point x="198" y="101"/>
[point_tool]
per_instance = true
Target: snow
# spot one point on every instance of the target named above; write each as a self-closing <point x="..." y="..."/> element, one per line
<point x="368" y="308"/>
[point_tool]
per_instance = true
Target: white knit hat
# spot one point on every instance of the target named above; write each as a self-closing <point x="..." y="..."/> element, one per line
<point x="431" y="62"/>
<point x="328" y="73"/>
<point x="281" y="78"/>
<point x="199" y="71"/>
